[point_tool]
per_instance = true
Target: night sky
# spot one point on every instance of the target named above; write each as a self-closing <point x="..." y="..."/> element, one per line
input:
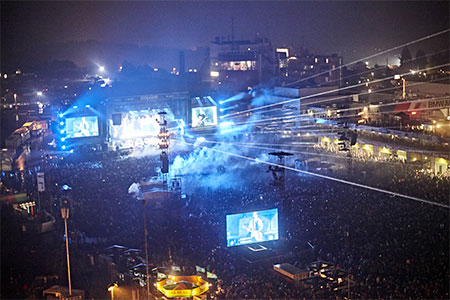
<point x="351" y="29"/>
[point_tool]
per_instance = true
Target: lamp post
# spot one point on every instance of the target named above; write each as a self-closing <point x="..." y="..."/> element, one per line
<point x="400" y="77"/>
<point x="111" y="289"/>
<point x="146" y="250"/>
<point x="65" y="216"/>
<point x="16" y="108"/>
<point x="404" y="88"/>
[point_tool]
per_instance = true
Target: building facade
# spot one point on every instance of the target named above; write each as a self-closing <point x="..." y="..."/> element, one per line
<point x="241" y="64"/>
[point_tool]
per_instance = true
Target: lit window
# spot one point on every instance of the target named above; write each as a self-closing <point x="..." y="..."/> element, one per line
<point x="326" y="60"/>
<point x="316" y="60"/>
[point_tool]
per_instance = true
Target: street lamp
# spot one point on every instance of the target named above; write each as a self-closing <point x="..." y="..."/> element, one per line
<point x="17" y="114"/>
<point x="111" y="289"/>
<point x="65" y="216"/>
<point x="146" y="250"/>
<point x="399" y="77"/>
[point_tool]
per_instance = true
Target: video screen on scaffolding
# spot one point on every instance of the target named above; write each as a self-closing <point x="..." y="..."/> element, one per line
<point x="85" y="126"/>
<point x="204" y="116"/>
<point x="252" y="227"/>
<point x="135" y="124"/>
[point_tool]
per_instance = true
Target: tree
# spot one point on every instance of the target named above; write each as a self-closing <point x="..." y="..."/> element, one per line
<point x="405" y="56"/>
<point x="406" y="60"/>
<point x="421" y="60"/>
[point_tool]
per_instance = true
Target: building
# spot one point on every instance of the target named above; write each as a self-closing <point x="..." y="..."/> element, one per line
<point x="311" y="70"/>
<point x="241" y="64"/>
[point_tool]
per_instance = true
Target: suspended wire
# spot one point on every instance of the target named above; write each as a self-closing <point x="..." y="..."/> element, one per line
<point x="355" y="108"/>
<point x="326" y="92"/>
<point x="296" y="151"/>
<point x="330" y="178"/>
<point x="384" y="67"/>
<point x="375" y="55"/>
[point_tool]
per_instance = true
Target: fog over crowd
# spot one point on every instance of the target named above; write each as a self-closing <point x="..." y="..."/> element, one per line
<point x="395" y="248"/>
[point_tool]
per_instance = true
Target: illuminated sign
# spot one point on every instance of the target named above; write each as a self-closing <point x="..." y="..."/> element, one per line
<point x="438" y="103"/>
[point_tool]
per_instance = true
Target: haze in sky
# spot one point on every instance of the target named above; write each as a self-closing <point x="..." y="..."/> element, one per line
<point x="350" y="29"/>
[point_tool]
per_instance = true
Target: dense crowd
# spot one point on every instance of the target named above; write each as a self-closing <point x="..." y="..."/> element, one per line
<point x="395" y="248"/>
<point x="389" y="173"/>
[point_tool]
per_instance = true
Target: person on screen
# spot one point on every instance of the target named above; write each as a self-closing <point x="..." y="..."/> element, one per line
<point x="255" y="227"/>
<point x="82" y="128"/>
<point x="202" y="118"/>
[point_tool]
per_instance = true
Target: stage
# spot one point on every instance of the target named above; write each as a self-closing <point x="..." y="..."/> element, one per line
<point x="271" y="252"/>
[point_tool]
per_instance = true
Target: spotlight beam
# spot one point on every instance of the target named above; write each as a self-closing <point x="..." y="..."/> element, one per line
<point x="333" y="179"/>
<point x="377" y="54"/>
<point x="326" y="92"/>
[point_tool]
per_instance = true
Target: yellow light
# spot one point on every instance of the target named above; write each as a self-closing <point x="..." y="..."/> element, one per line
<point x="441" y="161"/>
<point x="214" y="74"/>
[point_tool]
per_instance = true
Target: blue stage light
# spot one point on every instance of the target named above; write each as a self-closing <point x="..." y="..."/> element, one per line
<point x="66" y="187"/>
<point x="61" y="123"/>
<point x="226" y="124"/>
<point x="63" y="139"/>
<point x="63" y="147"/>
<point x="61" y="131"/>
<point x="61" y="115"/>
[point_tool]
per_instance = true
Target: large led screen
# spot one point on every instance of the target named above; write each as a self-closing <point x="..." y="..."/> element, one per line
<point x="86" y="126"/>
<point x="204" y="116"/>
<point x="252" y="227"/>
<point x="135" y="124"/>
